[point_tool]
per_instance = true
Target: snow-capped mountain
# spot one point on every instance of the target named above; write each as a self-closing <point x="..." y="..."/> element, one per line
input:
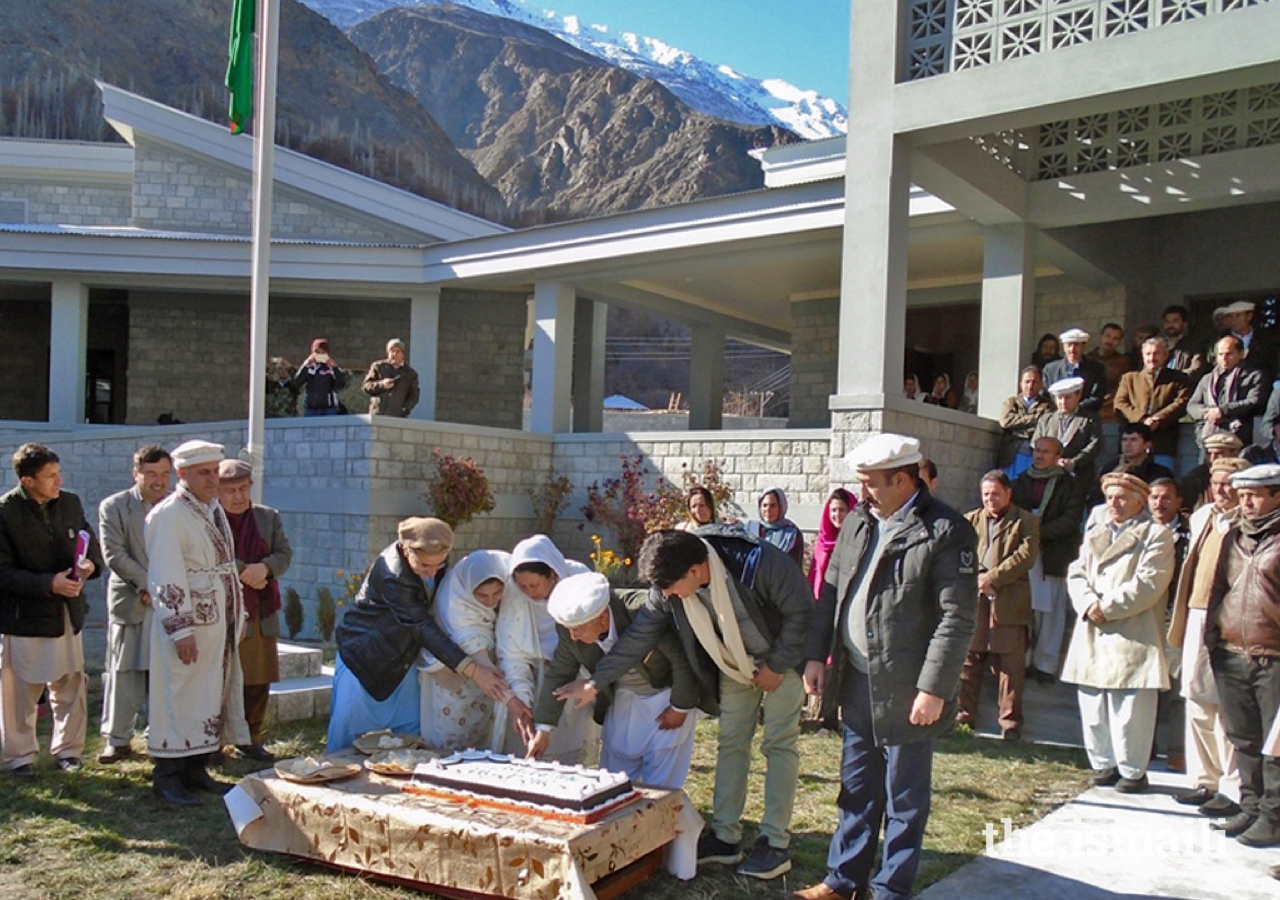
<point x="716" y="90"/>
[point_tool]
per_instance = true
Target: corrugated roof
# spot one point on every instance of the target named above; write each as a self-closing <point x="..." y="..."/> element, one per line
<point x="126" y="231"/>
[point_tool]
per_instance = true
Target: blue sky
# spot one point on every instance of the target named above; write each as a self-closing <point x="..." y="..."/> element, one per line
<point x="805" y="42"/>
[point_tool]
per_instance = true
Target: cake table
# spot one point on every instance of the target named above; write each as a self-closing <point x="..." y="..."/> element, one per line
<point x="367" y="825"/>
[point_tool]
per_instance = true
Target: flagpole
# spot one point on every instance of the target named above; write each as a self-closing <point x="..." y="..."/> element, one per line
<point x="264" y="130"/>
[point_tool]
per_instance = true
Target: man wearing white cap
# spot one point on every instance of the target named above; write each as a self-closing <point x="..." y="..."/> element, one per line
<point x="1077" y="431"/>
<point x="1228" y="397"/>
<point x="196" y="697"/>
<point x="1243" y="637"/>
<point x="1258" y="350"/>
<point x="648" y="715"/>
<point x="1074" y="364"/>
<point x="896" y="616"/>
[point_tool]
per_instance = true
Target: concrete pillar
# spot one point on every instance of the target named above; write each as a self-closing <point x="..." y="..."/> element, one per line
<point x="1008" y="313"/>
<point x="706" y="378"/>
<point x="68" y="351"/>
<point x="589" y="323"/>
<point x="424" y="345"/>
<point x="873" y="285"/>
<point x="554" y="306"/>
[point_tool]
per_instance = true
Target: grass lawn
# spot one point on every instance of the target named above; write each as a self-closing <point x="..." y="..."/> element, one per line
<point x="100" y="834"/>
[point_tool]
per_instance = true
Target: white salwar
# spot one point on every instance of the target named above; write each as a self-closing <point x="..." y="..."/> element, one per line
<point x="462" y="719"/>
<point x="526" y="641"/>
<point x="195" y="589"/>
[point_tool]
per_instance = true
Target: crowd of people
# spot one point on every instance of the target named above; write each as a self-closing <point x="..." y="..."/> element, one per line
<point x="1158" y="600"/>
<point x="391" y="384"/>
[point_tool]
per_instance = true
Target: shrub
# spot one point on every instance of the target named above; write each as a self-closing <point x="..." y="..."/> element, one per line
<point x="326" y="614"/>
<point x="458" y="490"/>
<point x="550" y="499"/>
<point x="293" y="613"/>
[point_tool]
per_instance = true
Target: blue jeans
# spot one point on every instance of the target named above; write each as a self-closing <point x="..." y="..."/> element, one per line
<point x="891" y="784"/>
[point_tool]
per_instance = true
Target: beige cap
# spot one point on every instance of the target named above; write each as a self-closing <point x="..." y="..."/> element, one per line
<point x="1223" y="440"/>
<point x="234" y="470"/>
<point x="1126" y="480"/>
<point x="195" y="453"/>
<point x="426" y="535"/>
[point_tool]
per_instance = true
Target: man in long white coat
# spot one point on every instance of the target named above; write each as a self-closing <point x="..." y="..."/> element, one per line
<point x="196" y="697"/>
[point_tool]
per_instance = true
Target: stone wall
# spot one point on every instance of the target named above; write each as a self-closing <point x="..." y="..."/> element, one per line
<point x="71" y="203"/>
<point x="481" y="358"/>
<point x="179" y="191"/>
<point x="1088" y="309"/>
<point x="24" y="352"/>
<point x="815" y="333"/>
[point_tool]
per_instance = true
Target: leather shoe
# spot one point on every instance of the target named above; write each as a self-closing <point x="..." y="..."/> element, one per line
<point x="819" y="891"/>
<point x="1133" y="785"/>
<point x="1105" y="777"/>
<point x="175" y="794"/>
<point x="200" y="780"/>
<point x="254" y="751"/>
<point x="113" y="754"/>
<point x="1260" y="834"/>
<point x="1219" y="807"/>
<point x="1012" y="734"/>
<point x="1236" y="825"/>
<point x="26" y="772"/>
<point x="1195" y="796"/>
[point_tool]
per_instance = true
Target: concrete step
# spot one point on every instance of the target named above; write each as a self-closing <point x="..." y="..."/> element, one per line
<point x="299" y="660"/>
<point x="294" y="699"/>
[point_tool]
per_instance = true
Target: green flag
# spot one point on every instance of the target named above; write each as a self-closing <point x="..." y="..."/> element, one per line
<point x="240" y="65"/>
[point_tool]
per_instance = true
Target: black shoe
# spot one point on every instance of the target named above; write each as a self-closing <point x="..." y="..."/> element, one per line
<point x="253" y="751"/>
<point x="26" y="772"/>
<point x="113" y="754"/>
<point x="1133" y="785"/>
<point x="1236" y="825"/>
<point x="1195" y="796"/>
<point x="175" y="794"/>
<point x="765" y="862"/>
<point x="1105" y="777"/>
<point x="713" y="850"/>
<point x="200" y="780"/>
<point x="1260" y="834"/>
<point x="1219" y="807"/>
<point x="69" y="763"/>
<point x="1012" y="734"/>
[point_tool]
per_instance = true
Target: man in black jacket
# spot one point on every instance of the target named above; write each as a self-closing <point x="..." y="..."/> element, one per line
<point x="740" y="608"/>
<point x="42" y="612"/>
<point x="1074" y="364"/>
<point x="896" y="616"/>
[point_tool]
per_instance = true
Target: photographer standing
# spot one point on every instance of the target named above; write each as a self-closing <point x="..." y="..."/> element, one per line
<point x="392" y="385"/>
<point x="320" y="379"/>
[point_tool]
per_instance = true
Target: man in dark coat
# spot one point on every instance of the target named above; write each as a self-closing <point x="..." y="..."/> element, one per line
<point x="392" y="385"/>
<point x="1074" y="364"/>
<point x="740" y="608"/>
<point x="42" y="612"/>
<point x="1230" y="396"/>
<point x="896" y="615"/>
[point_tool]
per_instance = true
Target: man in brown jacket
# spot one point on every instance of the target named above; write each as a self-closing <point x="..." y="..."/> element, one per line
<point x="1243" y="636"/>
<point x="1157" y="397"/>
<point x="1008" y="545"/>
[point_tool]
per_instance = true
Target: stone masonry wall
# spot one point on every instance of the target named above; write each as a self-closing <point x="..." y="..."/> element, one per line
<point x="178" y="191"/>
<point x="815" y="332"/>
<point x="1087" y="309"/>
<point x="71" y="203"/>
<point x="481" y="358"/>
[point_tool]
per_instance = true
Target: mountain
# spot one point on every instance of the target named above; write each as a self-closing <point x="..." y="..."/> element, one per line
<point x="343" y="111"/>
<point x="561" y="133"/>
<point x="715" y="90"/>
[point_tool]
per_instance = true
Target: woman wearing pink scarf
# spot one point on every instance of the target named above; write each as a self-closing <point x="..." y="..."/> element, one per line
<point x="838" y="506"/>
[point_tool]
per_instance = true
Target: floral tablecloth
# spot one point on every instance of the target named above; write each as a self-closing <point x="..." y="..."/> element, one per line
<point x="368" y="825"/>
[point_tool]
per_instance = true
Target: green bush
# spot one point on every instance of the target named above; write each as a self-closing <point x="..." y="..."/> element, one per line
<point x="293" y="613"/>
<point x="326" y="614"/>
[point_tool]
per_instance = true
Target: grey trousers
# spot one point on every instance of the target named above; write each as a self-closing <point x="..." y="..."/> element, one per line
<point x="123" y="694"/>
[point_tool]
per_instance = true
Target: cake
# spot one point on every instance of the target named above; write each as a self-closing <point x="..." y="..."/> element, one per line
<point x="482" y="777"/>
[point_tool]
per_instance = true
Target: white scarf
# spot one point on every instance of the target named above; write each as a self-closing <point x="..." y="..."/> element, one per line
<point x="730" y="653"/>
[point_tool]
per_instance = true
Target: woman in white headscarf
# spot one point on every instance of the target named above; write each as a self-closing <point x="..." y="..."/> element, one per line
<point x="526" y="642"/>
<point x="456" y="714"/>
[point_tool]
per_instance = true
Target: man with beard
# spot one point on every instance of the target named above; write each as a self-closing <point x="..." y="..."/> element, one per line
<point x="1155" y="396"/>
<point x="1182" y="357"/>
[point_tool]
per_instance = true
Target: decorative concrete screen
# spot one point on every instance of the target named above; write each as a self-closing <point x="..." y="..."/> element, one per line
<point x="952" y="35"/>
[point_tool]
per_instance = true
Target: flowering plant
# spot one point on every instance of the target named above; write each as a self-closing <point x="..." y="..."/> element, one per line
<point x="458" y="490"/>
<point x="609" y="564"/>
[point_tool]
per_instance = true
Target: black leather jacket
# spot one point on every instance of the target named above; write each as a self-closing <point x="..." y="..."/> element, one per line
<point x="391" y="622"/>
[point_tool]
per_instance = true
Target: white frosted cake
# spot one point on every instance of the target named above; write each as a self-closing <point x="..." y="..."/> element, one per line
<point x="483" y="775"/>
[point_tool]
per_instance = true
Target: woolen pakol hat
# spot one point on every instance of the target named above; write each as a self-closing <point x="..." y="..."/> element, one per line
<point x="234" y="470"/>
<point x="1065" y="386"/>
<point x="578" y="599"/>
<point x="1223" y="440"/>
<point x="1126" y="480"/>
<point x="1239" y="306"/>
<point x="426" y="535"/>
<point x="885" y="451"/>
<point x="1074" y="336"/>
<point x="195" y="453"/>
<point x="1264" y="476"/>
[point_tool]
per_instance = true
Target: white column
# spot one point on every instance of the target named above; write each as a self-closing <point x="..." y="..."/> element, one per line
<point x="588" y="365"/>
<point x="1008" y="313"/>
<point x="873" y="286"/>
<point x="424" y="344"/>
<point x="554" y="305"/>
<point x="706" y="378"/>
<point x="68" y="351"/>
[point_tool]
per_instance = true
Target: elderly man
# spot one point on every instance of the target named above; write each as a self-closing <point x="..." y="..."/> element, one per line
<point x="741" y="609"/>
<point x="1182" y="357"/>
<point x="121" y="522"/>
<point x="263" y="554"/>
<point x="648" y="717"/>
<point x="1156" y="397"/>
<point x="1076" y="430"/>
<point x="1212" y="763"/>
<point x="1227" y="399"/>
<point x="1116" y="659"/>
<point x="1074" y="364"/>
<point x="1243" y="637"/>
<point x="1110" y="355"/>
<point x="391" y="384"/>
<point x="1008" y="546"/>
<point x="1194" y="485"/>
<point x="1049" y="493"/>
<point x="896" y="615"/>
<point x="1018" y="418"/>
<point x="1165" y="505"/>
<point x="196" y="697"/>
<point x="43" y="567"/>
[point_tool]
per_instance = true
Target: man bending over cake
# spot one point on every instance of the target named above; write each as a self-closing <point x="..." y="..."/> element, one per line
<point x="740" y="609"/>
<point x="649" y="714"/>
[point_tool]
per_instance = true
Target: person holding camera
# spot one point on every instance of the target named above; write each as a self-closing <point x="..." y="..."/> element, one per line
<point x="319" y="379"/>
<point x="391" y="384"/>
